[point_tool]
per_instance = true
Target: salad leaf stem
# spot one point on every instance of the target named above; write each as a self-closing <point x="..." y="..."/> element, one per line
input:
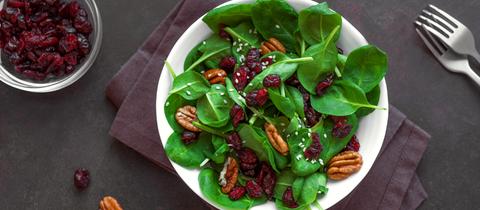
<point x="317" y="204"/>
<point x="208" y="129"/>
<point x="338" y="73"/>
<point x="253" y="119"/>
<point x="170" y="69"/>
<point x="260" y="114"/>
<point x="298" y="60"/>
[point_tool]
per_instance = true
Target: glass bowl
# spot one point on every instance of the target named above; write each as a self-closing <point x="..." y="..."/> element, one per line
<point x="16" y="80"/>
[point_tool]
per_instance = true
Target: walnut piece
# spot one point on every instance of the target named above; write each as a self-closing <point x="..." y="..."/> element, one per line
<point x="185" y="116"/>
<point x="109" y="203"/>
<point x="215" y="76"/>
<point x="272" y="45"/>
<point x="276" y="139"/>
<point x="344" y="164"/>
<point x="228" y="177"/>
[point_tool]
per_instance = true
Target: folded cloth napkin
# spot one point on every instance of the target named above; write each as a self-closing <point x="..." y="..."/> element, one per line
<point x="391" y="183"/>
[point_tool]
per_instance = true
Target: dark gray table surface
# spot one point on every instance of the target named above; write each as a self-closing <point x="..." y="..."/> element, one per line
<point x="45" y="137"/>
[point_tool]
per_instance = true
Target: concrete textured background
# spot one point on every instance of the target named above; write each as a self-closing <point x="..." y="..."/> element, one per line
<point x="45" y="137"/>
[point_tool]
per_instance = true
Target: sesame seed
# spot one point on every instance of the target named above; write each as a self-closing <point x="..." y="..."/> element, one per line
<point x="244" y="142"/>
<point x="321" y="162"/>
<point x="238" y="74"/>
<point x="189" y="84"/>
<point x="204" y="162"/>
<point x="248" y="77"/>
<point x="277" y="26"/>
<point x="282" y="124"/>
<point x="202" y="72"/>
<point x="296" y="133"/>
<point x="240" y="97"/>
<point x="304" y="149"/>
<point x="225" y="101"/>
<point x="299" y="126"/>
<point x="251" y="85"/>
<point x="204" y="42"/>
<point x="231" y="90"/>
<point x="236" y="81"/>
<point x="222" y="94"/>
<point x="303" y="139"/>
<point x="325" y="135"/>
<point x="304" y="119"/>
<point x="310" y="130"/>
<point x="309" y="135"/>
<point x="244" y="94"/>
<point x="234" y="43"/>
<point x="288" y="135"/>
<point x="189" y="93"/>
<point x="168" y="103"/>
<point x="238" y="49"/>
<point x="218" y="87"/>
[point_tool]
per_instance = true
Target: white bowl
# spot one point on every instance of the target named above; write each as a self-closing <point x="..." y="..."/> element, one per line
<point x="370" y="133"/>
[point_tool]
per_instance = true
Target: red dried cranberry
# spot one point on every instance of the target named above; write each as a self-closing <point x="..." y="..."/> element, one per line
<point x="267" y="61"/>
<point x="257" y="98"/>
<point x="228" y="63"/>
<point x="49" y="41"/>
<point x="69" y="69"/>
<point x="353" y="145"/>
<point x="253" y="54"/>
<point x="338" y="119"/>
<point x="81" y="178"/>
<point x="189" y="137"/>
<point x="83" y="44"/>
<point x="293" y="81"/>
<point x="248" y="161"/>
<point x="39" y="17"/>
<point x="255" y="66"/>
<point x="240" y="78"/>
<point x="267" y="179"/>
<point x="251" y="75"/>
<point x="16" y="58"/>
<point x="305" y="94"/>
<point x="311" y="115"/>
<point x="82" y="25"/>
<point x="288" y="199"/>
<point x="71" y="58"/>
<point x="324" y="85"/>
<point x="73" y="8"/>
<point x="315" y="148"/>
<point x="237" y="115"/>
<point x="254" y="190"/>
<point x="15" y="3"/>
<point x="69" y="43"/>
<point x="272" y="81"/>
<point x="237" y="193"/>
<point x="222" y="33"/>
<point x="341" y="130"/>
<point x="234" y="141"/>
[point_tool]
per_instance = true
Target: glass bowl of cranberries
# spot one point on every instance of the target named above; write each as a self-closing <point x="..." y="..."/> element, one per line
<point x="46" y="45"/>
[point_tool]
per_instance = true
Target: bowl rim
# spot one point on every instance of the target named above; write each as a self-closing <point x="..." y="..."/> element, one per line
<point x="13" y="81"/>
<point x="381" y="116"/>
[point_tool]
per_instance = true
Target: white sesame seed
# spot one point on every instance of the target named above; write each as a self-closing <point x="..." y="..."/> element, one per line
<point x="270" y="56"/>
<point x="204" y="42"/>
<point x="282" y="124"/>
<point x="248" y="77"/>
<point x="303" y="139"/>
<point x="168" y="103"/>
<point x="321" y="162"/>
<point x="234" y="43"/>
<point x="231" y="90"/>
<point x="244" y="142"/>
<point x="189" y="84"/>
<point x="189" y="93"/>
<point x="218" y="87"/>
<point x="236" y="81"/>
<point x="238" y="49"/>
<point x="325" y="135"/>
<point x="309" y="134"/>
<point x="240" y="97"/>
<point x="244" y="94"/>
<point x="222" y="94"/>
<point x="288" y="135"/>
<point x="310" y="130"/>
<point x="304" y="149"/>
<point x="304" y="119"/>
<point x="277" y="26"/>
<point x="238" y="74"/>
<point x="251" y="85"/>
<point x="298" y="158"/>
<point x="204" y="162"/>
<point x="296" y="133"/>
<point x="225" y="101"/>
<point x="299" y="126"/>
<point x="202" y="72"/>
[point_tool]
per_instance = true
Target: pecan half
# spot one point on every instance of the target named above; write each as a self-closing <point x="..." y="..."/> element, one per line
<point x="272" y="45"/>
<point x="185" y="116"/>
<point x="215" y="76"/>
<point x="344" y="164"/>
<point x="276" y="139"/>
<point x="229" y="175"/>
<point x="109" y="203"/>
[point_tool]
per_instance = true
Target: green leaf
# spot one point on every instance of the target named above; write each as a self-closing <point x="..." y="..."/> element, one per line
<point x="234" y="95"/>
<point x="284" y="180"/>
<point x="193" y="56"/>
<point x="208" y="180"/>
<point x="189" y="156"/>
<point x="213" y="49"/>
<point x="230" y="15"/>
<point x="297" y="187"/>
<point x="175" y="101"/>
<point x="296" y="96"/>
<point x="244" y="37"/>
<point x="311" y="186"/>
<point x="373" y="98"/>
<point x="216" y="152"/>
<point x="190" y="85"/>
<point x="300" y="165"/>
<point x="317" y="22"/>
<point x="341" y="99"/>
<point x="213" y="109"/>
<point x="325" y="60"/>
<point x="277" y="19"/>
<point x="341" y="60"/>
<point x="366" y="67"/>
<point x="283" y="104"/>
<point x="332" y="145"/>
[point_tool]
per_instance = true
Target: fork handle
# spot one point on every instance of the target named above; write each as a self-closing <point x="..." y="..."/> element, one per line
<point x="474" y="76"/>
<point x="476" y="55"/>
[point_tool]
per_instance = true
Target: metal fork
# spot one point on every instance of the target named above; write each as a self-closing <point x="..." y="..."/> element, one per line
<point x="451" y="31"/>
<point x="450" y="60"/>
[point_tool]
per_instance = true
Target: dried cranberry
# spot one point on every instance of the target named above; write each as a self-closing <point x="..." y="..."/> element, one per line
<point x="311" y="115"/>
<point x="237" y="193"/>
<point x="189" y="137"/>
<point x="353" y="145"/>
<point x="234" y="141"/>
<point x="293" y="81"/>
<point x="82" y="25"/>
<point x="49" y="41"/>
<point x="255" y="66"/>
<point x="73" y="8"/>
<point x="16" y="58"/>
<point x="83" y="44"/>
<point x="341" y="130"/>
<point x="15" y="3"/>
<point x="248" y="161"/>
<point x="305" y="94"/>
<point x="251" y="75"/>
<point x="228" y="63"/>
<point x="253" y="55"/>
<point x="69" y="43"/>
<point x="272" y="81"/>
<point x="222" y="33"/>
<point x="257" y="98"/>
<point x="81" y="178"/>
<point x="288" y="199"/>
<point x="267" y="61"/>
<point x="315" y="148"/>
<point x="237" y="115"/>
<point x="338" y="119"/>
<point x="267" y="179"/>
<point x="69" y="69"/>
<point x="324" y="85"/>
<point x="240" y="78"/>
<point x="71" y="58"/>
<point x="254" y="190"/>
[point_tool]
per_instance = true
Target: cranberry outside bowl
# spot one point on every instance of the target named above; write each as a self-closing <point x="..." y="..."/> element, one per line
<point x="9" y="76"/>
<point x="371" y="131"/>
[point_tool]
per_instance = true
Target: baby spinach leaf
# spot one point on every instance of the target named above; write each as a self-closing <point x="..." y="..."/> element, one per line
<point x="193" y="56"/>
<point x="284" y="180"/>
<point x="317" y="22"/>
<point x="230" y="15"/>
<point x="325" y="60"/>
<point x="294" y="125"/>
<point x="234" y="95"/>
<point x="373" y="97"/>
<point x="296" y="96"/>
<point x="213" y="49"/>
<point x="332" y="145"/>
<point x="300" y="165"/>
<point x="366" y="67"/>
<point x="218" y="149"/>
<point x="311" y="186"/>
<point x="175" y="101"/>
<point x="285" y="69"/>
<point x="280" y="206"/>
<point x="208" y="180"/>
<point x="341" y="60"/>
<point x="213" y="109"/>
<point x="342" y="99"/>
<point x="257" y="140"/>
<point x="283" y="103"/>
<point x="244" y="38"/>
<point x="190" y="85"/>
<point x="276" y="18"/>
<point x="297" y="187"/>
<point x="189" y="156"/>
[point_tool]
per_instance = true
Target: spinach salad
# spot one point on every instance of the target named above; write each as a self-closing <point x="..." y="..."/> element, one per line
<point x="268" y="106"/>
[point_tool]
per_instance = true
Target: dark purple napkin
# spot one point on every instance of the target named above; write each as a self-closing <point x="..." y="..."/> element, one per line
<point x="391" y="183"/>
